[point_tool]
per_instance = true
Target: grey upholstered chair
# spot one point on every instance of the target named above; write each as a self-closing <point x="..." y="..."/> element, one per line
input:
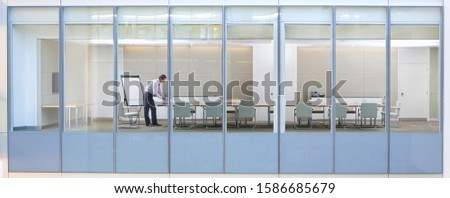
<point x="368" y="111"/>
<point x="212" y="110"/>
<point x="246" y="111"/>
<point x="302" y="110"/>
<point x="182" y="110"/>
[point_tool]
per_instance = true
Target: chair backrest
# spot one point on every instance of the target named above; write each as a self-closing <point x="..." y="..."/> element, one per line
<point x="303" y="110"/>
<point x="182" y="110"/>
<point x="246" y="109"/>
<point x="369" y="110"/>
<point x="247" y="103"/>
<point x="213" y="109"/>
<point x="341" y="110"/>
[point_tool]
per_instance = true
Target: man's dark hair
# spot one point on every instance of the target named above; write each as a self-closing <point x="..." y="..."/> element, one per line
<point x="162" y="77"/>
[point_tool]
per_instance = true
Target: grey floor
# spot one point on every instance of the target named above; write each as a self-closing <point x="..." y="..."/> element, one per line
<point x="317" y="126"/>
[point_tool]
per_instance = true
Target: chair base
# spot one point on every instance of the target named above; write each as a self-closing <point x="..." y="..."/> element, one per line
<point x="365" y="126"/>
<point x="132" y="123"/>
<point x="250" y="128"/>
<point x="298" y="127"/>
<point x="205" y="123"/>
<point x="182" y="125"/>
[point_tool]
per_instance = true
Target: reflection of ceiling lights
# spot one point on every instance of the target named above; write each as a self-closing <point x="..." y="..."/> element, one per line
<point x="102" y="16"/>
<point x="298" y="43"/>
<point x="265" y="17"/>
<point x="415" y="43"/>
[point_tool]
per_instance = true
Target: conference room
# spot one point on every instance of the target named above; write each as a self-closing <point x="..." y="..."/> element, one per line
<point x="239" y="73"/>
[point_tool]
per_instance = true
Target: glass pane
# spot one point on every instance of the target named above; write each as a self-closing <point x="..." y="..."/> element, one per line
<point x="415" y="73"/>
<point x="361" y="145"/>
<point x="197" y="141"/>
<point x="251" y="88"/>
<point x="306" y="144"/>
<point x="89" y="69"/>
<point x="142" y="56"/>
<point x="415" y="112"/>
<point x="35" y="89"/>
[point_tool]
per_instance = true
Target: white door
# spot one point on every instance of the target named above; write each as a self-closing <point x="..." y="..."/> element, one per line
<point x="413" y="90"/>
<point x="413" y="64"/>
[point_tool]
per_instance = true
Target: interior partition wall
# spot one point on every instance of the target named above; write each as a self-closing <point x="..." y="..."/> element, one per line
<point x="361" y="87"/>
<point x="141" y="57"/>
<point x="306" y="61"/>
<point x="34" y="139"/>
<point x="416" y="91"/>
<point x="239" y="78"/>
<point x="197" y="138"/>
<point x="251" y="90"/>
<point x="87" y="139"/>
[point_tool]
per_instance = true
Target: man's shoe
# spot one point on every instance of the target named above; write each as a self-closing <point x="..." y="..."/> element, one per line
<point x="156" y="124"/>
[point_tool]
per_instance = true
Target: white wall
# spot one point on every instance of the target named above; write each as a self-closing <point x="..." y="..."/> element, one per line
<point x="263" y="63"/>
<point x="446" y="80"/>
<point x="25" y="61"/>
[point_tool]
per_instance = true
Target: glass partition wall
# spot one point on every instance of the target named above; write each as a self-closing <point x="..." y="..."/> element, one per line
<point x="251" y="90"/>
<point x="197" y="138"/>
<point x="224" y="66"/>
<point x="306" y="142"/>
<point x="142" y="59"/>
<point x="415" y="110"/>
<point x="89" y="65"/>
<point x="34" y="66"/>
<point x="360" y="90"/>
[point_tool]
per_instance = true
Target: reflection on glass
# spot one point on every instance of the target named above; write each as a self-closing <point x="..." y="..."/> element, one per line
<point x="360" y="69"/>
<point x="415" y="70"/>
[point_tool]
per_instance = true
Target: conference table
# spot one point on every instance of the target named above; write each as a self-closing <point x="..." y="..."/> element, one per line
<point x="269" y="106"/>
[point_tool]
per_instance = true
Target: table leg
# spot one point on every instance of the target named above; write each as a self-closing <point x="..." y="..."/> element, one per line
<point x="76" y="116"/>
<point x="323" y="116"/>
<point x="69" y="116"/>
<point x="268" y="115"/>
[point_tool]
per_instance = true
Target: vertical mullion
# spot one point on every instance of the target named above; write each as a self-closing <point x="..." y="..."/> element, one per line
<point x="224" y="85"/>
<point x="62" y="77"/>
<point x="169" y="82"/>
<point x="10" y="98"/>
<point x="387" y="108"/>
<point x="441" y="81"/>
<point x="333" y="84"/>
<point x="278" y="124"/>
<point x="116" y="85"/>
